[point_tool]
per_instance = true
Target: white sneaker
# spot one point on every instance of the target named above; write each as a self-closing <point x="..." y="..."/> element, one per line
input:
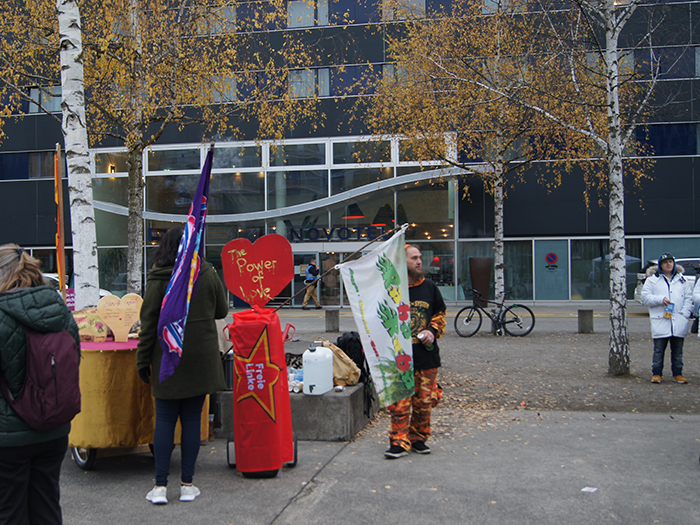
<point x="158" y="495"/>
<point x="188" y="492"/>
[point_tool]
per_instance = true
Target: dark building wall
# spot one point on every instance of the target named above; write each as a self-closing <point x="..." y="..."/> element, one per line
<point x="664" y="203"/>
<point x="28" y="212"/>
<point x="33" y="132"/>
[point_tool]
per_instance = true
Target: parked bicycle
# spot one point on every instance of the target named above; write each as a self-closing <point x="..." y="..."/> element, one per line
<point x="516" y="320"/>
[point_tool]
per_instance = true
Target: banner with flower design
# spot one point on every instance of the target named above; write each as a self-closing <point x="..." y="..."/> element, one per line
<point x="377" y="287"/>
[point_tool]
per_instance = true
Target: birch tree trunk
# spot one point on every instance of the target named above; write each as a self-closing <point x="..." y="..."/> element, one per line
<point x="618" y="359"/>
<point x="498" y="245"/>
<point x="135" y="221"/>
<point x="134" y="144"/>
<point x="84" y="236"/>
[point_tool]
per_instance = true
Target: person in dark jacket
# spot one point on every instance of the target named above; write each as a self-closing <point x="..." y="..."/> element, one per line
<point x="30" y="460"/>
<point x="199" y="372"/>
<point x="311" y="281"/>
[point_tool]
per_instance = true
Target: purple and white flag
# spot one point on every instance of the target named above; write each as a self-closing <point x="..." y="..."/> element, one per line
<point x="183" y="281"/>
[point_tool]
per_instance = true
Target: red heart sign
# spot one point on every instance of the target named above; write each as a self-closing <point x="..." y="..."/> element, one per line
<point x="258" y="272"/>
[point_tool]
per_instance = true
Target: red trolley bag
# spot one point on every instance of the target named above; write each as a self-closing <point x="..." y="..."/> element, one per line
<point x="262" y="416"/>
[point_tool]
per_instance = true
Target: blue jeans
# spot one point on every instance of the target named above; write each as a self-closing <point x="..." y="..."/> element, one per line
<point x="189" y="411"/>
<point x="657" y="364"/>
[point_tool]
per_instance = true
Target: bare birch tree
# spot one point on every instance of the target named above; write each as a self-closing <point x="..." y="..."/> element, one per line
<point x="578" y="75"/>
<point x="602" y="79"/>
<point x="154" y="64"/>
<point x="41" y="48"/>
<point x="456" y="82"/>
<point x="74" y="126"/>
<point x="149" y="65"/>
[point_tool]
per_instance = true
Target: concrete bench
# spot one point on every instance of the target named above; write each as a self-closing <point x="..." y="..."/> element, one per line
<point x="333" y="416"/>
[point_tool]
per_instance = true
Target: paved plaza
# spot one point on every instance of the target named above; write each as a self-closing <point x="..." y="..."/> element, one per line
<point x="531" y="430"/>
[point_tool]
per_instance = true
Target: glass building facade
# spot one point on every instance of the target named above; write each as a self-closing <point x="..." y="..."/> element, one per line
<point x="334" y="190"/>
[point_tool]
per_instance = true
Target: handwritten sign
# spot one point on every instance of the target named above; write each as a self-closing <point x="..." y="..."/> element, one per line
<point x="120" y="314"/>
<point x="258" y="272"/>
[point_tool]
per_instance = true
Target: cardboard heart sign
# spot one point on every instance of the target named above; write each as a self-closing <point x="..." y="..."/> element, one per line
<point x="258" y="272"/>
<point x="120" y="314"/>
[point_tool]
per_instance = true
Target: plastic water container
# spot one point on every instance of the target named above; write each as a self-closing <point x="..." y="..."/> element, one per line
<point x="318" y="370"/>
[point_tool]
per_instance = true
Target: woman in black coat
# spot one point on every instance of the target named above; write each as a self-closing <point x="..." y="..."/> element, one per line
<point x="200" y="371"/>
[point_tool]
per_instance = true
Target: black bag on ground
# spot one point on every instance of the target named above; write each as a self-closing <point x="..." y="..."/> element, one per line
<point x="351" y="344"/>
<point x="50" y="396"/>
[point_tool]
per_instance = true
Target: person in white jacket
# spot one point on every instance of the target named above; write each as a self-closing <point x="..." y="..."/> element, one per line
<point x="669" y="297"/>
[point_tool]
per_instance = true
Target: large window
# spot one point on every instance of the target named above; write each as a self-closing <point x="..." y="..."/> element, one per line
<point x="363" y="218"/>
<point x="111" y="162"/>
<point x="111" y="229"/>
<point x="171" y="160"/>
<point x="111" y="189"/>
<point x="518" y="270"/>
<point x="669" y="139"/>
<point x="297" y="154"/>
<point x="347" y="179"/>
<point x="354" y="11"/>
<point x="307" y="83"/>
<point x="307" y="13"/>
<point x="287" y="188"/>
<point x="590" y="268"/>
<point x="429" y="210"/>
<point x="33" y="165"/>
<point x="49" y="98"/>
<point x="353" y="80"/>
<point x="228" y="193"/>
<point x="673" y="62"/>
<point x="438" y="260"/>
<point x="361" y="152"/>
<point x="237" y="157"/>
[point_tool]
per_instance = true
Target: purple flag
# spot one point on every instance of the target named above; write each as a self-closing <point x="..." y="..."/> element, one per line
<point x="183" y="282"/>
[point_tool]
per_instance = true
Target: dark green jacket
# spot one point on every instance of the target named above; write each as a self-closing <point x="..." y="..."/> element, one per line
<point x="43" y="309"/>
<point x="200" y="370"/>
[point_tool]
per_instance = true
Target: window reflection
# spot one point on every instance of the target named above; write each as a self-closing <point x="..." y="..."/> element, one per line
<point x="112" y="189"/>
<point x="297" y="154"/>
<point x="590" y="268"/>
<point x="287" y="188"/>
<point x="344" y="180"/>
<point x="429" y="210"/>
<point x="439" y="266"/>
<point x="171" y="160"/>
<point x="237" y="157"/>
<point x="228" y="193"/>
<point x="114" y="162"/>
<point x="518" y="268"/>
<point x="367" y="151"/>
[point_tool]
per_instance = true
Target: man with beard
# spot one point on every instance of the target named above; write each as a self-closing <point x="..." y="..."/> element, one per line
<point x="427" y="325"/>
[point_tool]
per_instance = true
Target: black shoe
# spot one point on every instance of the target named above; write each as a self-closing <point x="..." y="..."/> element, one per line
<point x="395" y="452"/>
<point x="304" y="307"/>
<point x="318" y="307"/>
<point x="420" y="448"/>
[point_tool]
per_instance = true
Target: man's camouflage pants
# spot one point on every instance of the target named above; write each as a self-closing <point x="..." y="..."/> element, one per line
<point x="426" y="396"/>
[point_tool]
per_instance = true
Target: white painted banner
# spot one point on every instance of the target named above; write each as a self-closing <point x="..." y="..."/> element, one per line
<point x="377" y="287"/>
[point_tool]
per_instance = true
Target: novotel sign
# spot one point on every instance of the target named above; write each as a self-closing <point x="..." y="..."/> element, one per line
<point x="335" y="234"/>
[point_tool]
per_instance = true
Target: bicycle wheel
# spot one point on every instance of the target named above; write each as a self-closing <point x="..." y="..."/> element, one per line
<point x="518" y="320"/>
<point x="468" y="321"/>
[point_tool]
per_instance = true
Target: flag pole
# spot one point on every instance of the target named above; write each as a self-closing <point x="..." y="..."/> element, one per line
<point x="60" y="242"/>
<point x="331" y="269"/>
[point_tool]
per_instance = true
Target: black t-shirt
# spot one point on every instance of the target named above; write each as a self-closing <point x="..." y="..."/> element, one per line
<point x="426" y="301"/>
